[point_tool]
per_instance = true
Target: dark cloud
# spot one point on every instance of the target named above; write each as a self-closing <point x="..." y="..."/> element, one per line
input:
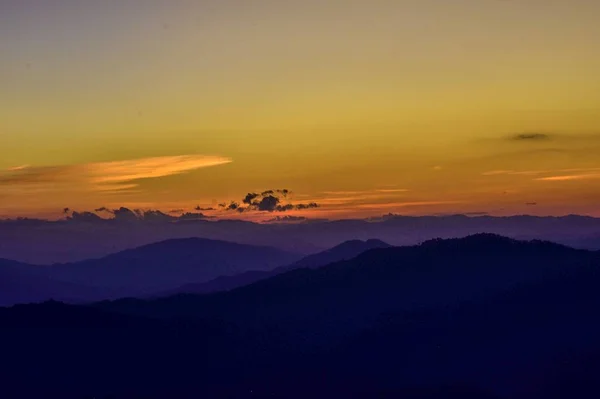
<point x="267" y="201"/>
<point x="476" y="213"/>
<point x="66" y="210"/>
<point x="87" y="217"/>
<point x="250" y="197"/>
<point x="125" y="215"/>
<point x="531" y="137"/>
<point x="283" y="192"/>
<point x="307" y="206"/>
<point x="199" y="208"/>
<point x="155" y="216"/>
<point x="232" y="206"/>
<point x="192" y="216"/>
<point x="531" y="203"/>
<point x="284" y="208"/>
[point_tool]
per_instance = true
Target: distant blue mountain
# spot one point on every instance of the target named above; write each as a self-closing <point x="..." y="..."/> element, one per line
<point x="343" y="251"/>
<point x="22" y="283"/>
<point x="140" y="271"/>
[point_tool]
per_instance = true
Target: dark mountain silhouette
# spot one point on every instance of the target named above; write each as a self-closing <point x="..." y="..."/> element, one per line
<point x="478" y="317"/>
<point x="344" y="251"/>
<point x="22" y="283"/>
<point x="170" y="263"/>
<point x="46" y="242"/>
<point x="139" y="271"/>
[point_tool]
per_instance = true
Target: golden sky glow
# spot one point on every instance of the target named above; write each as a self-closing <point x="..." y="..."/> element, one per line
<point x="363" y="106"/>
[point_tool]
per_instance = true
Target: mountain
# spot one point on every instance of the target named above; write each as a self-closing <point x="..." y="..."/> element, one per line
<point x="22" y="283"/>
<point x="343" y="251"/>
<point x="47" y="242"/>
<point x="168" y="264"/>
<point x="148" y="269"/>
<point x="478" y="317"/>
<point x="437" y="272"/>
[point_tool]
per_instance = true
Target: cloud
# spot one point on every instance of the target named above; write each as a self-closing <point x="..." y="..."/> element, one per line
<point x="192" y="216"/>
<point x="405" y="204"/>
<point x="286" y="219"/>
<point x="392" y="190"/>
<point x="585" y="176"/>
<point x="591" y="173"/>
<point x="250" y="197"/>
<point x="530" y="137"/>
<point x="127" y="215"/>
<point x="17" y="168"/>
<point x="111" y="176"/>
<point x="476" y="213"/>
<point x="86" y="217"/>
<point x="531" y="203"/>
<point x="266" y="201"/>
<point x="156" y="216"/>
<point x="307" y="206"/>
<point x="513" y="172"/>
<point x="199" y="208"/>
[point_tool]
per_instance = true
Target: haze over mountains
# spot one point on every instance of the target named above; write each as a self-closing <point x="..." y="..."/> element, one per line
<point x="142" y="271"/>
<point x="344" y="251"/>
<point x="483" y="316"/>
<point x="82" y="238"/>
<point x="193" y="265"/>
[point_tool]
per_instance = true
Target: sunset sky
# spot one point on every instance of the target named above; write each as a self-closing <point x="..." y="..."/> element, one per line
<point x="364" y="107"/>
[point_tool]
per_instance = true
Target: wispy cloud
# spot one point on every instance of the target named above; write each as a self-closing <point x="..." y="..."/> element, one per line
<point x="390" y="205"/>
<point x="111" y="176"/>
<point x="584" y="176"/>
<point x="513" y="172"/>
<point x="16" y="168"/>
<point x="587" y="172"/>
<point x="392" y="190"/>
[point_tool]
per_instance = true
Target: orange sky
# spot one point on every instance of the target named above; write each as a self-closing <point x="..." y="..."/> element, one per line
<point x="364" y="107"/>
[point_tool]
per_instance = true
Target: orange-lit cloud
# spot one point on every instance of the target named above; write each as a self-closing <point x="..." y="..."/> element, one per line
<point x="103" y="176"/>
<point x="586" y="176"/>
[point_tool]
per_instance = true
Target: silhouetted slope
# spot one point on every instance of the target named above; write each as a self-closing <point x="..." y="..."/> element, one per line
<point x="446" y="319"/>
<point x="148" y="269"/>
<point x="22" y="283"/>
<point x="438" y="272"/>
<point x="345" y="250"/>
<point x="169" y="264"/>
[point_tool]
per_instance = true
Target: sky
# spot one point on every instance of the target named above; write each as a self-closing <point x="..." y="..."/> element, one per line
<point x="364" y="107"/>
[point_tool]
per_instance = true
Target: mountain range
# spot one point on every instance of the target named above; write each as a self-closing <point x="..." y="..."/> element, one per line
<point x="76" y="239"/>
<point x="483" y="316"/>
<point x="343" y="251"/>
<point x="169" y="267"/>
<point x="136" y="272"/>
